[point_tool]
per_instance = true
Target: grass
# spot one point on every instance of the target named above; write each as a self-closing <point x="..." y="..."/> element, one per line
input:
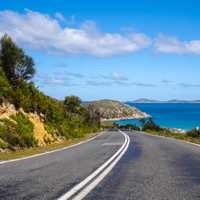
<point x="37" y="150"/>
<point x="184" y="137"/>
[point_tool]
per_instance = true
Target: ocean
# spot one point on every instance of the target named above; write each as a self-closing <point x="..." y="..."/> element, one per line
<point x="170" y="115"/>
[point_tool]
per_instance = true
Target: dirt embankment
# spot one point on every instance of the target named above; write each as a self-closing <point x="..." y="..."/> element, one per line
<point x="39" y="132"/>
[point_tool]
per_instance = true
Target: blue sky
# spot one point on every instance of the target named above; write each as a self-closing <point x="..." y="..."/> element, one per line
<point x="109" y="49"/>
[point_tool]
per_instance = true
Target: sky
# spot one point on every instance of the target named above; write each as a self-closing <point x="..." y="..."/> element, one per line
<point x="121" y="50"/>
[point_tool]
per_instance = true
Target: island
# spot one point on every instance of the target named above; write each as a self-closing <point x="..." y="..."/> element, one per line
<point x="145" y="100"/>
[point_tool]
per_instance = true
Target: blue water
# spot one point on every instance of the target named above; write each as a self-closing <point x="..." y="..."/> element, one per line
<point x="173" y="115"/>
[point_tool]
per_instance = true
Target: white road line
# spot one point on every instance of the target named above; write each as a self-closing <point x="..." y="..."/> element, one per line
<point x="170" y="138"/>
<point x="192" y="143"/>
<point x="98" y="174"/>
<point x="48" y="152"/>
<point x="93" y="184"/>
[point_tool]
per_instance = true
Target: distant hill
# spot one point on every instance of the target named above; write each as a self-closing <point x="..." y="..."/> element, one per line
<point x="110" y="109"/>
<point x="178" y="101"/>
<point x="145" y="100"/>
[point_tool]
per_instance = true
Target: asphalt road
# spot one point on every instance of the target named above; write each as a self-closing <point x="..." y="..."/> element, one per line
<point x="152" y="168"/>
<point x="51" y="175"/>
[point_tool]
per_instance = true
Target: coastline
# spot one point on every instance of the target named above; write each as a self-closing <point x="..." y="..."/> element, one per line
<point x="172" y="130"/>
<point x="126" y="118"/>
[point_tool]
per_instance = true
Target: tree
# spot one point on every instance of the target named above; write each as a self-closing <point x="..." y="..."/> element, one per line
<point x="151" y="125"/>
<point x="24" y="70"/>
<point x="94" y="115"/>
<point x="9" y="56"/>
<point x="15" y="63"/>
<point x="72" y="104"/>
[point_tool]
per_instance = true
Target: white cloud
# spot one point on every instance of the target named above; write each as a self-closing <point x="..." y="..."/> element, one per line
<point x="116" y="79"/>
<point x="90" y="26"/>
<point x="36" y="30"/>
<point x="55" y="79"/>
<point x="59" y="16"/>
<point x="165" y="44"/>
<point x="119" y="77"/>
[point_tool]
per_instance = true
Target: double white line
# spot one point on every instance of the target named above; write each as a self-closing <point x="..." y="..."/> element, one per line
<point x="80" y="190"/>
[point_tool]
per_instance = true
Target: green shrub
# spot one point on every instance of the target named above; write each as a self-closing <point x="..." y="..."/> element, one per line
<point x="3" y="144"/>
<point x="129" y="126"/>
<point x="25" y="130"/>
<point x="50" y="130"/>
<point x="194" y="133"/>
<point x="17" y="132"/>
<point x="6" y="91"/>
<point x="151" y="125"/>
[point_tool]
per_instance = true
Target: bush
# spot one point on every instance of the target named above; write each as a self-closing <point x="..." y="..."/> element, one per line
<point x="3" y="144"/>
<point x="129" y="126"/>
<point x="151" y="125"/>
<point x="18" y="131"/>
<point x="194" y="133"/>
<point x="5" y="88"/>
<point x="25" y="130"/>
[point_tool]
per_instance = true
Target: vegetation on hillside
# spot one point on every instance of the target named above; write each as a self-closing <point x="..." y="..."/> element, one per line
<point x="66" y="119"/>
<point x="151" y="127"/>
<point x="110" y="109"/>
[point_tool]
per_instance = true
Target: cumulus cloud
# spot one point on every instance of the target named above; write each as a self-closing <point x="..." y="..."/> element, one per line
<point x="165" y="44"/>
<point x="40" y="31"/>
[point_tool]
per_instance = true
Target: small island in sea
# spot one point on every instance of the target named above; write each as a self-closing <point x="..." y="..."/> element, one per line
<point x="146" y="100"/>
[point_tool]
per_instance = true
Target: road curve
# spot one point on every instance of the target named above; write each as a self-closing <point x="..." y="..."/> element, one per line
<point x="151" y="167"/>
<point x="51" y="175"/>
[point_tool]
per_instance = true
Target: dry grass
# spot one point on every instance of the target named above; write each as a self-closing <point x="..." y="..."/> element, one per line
<point x="39" y="131"/>
<point x="36" y="150"/>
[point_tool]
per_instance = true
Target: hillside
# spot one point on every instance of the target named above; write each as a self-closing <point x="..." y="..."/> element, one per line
<point x="28" y="117"/>
<point x="110" y="109"/>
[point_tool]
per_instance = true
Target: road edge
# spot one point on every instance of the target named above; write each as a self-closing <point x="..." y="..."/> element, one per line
<point x="166" y="137"/>
<point x="52" y="151"/>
